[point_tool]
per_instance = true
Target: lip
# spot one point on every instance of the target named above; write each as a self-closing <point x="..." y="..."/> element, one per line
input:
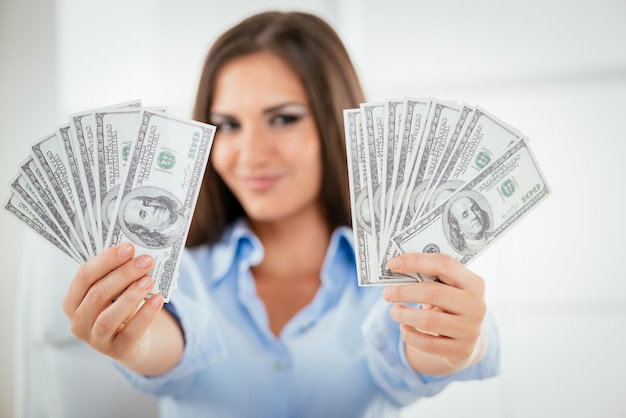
<point x="260" y="183"/>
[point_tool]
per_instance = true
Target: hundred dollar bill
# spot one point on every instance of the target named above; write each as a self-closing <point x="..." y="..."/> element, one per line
<point x="484" y="138"/>
<point x="415" y="113"/>
<point x="442" y="116"/>
<point x="158" y="194"/>
<point x="22" y="211"/>
<point x="83" y="135"/>
<point x="116" y="129"/>
<point x="450" y="146"/>
<point x="364" y="240"/>
<point x="48" y="157"/>
<point x="28" y="195"/>
<point x="481" y="211"/>
<point x="393" y="118"/>
<point x="373" y="133"/>
<point x="35" y="178"/>
<point x="76" y="183"/>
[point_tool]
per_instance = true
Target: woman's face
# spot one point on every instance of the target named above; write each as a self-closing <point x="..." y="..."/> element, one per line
<point x="267" y="148"/>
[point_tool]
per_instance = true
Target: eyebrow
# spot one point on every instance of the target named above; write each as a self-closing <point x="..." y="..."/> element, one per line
<point x="267" y="111"/>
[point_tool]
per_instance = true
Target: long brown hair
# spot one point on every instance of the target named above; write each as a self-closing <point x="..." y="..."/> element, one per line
<point x="316" y="54"/>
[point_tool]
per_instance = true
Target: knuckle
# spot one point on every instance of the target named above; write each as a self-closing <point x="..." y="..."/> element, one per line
<point x="429" y="321"/>
<point x="103" y="327"/>
<point x="399" y="312"/>
<point x="96" y="295"/>
<point x="425" y="343"/>
<point x="125" y="337"/>
<point x="82" y="274"/>
<point x="445" y="263"/>
<point x="77" y="330"/>
<point x="431" y="292"/>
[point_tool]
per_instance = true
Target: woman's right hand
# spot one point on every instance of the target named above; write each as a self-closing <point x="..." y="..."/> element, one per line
<point x="106" y="306"/>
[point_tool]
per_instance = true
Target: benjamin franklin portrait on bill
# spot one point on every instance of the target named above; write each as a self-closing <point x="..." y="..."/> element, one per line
<point x="152" y="217"/>
<point x="467" y="222"/>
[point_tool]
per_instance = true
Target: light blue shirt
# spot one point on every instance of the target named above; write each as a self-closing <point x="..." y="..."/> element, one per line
<point x="340" y="356"/>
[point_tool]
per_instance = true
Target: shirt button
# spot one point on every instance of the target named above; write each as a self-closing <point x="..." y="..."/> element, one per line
<point x="279" y="365"/>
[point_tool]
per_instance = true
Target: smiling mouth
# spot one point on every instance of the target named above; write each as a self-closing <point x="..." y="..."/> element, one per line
<point x="261" y="183"/>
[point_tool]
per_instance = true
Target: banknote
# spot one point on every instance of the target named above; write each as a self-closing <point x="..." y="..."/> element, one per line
<point x="472" y="218"/>
<point x="25" y="190"/>
<point x="49" y="158"/>
<point x="158" y="193"/>
<point x="84" y="213"/>
<point x="116" y="129"/>
<point x="372" y="115"/>
<point x="451" y="145"/>
<point x="483" y="138"/>
<point x="364" y="245"/>
<point x="118" y="173"/>
<point x="44" y="196"/>
<point x="365" y="240"/>
<point x="409" y="161"/>
<point x="22" y="211"/>
<point x="83" y="136"/>
<point x="392" y="116"/>
<point x="412" y="128"/>
<point x="442" y="115"/>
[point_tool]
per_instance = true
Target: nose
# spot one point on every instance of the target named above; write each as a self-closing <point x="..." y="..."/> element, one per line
<point x="256" y="145"/>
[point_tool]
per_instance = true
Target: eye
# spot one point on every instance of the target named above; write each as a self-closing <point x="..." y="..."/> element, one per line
<point x="224" y="123"/>
<point x="226" y="126"/>
<point x="142" y="214"/>
<point x="285" y="119"/>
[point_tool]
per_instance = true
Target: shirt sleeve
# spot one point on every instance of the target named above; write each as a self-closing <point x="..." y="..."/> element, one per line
<point x="393" y="374"/>
<point x="203" y="340"/>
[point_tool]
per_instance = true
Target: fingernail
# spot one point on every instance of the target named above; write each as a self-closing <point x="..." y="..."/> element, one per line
<point x="144" y="262"/>
<point x="394" y="311"/>
<point x="387" y="292"/>
<point x="395" y="263"/>
<point x="124" y="250"/>
<point x="145" y="283"/>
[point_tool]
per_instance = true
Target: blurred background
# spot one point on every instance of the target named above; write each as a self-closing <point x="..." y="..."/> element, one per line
<point x="554" y="69"/>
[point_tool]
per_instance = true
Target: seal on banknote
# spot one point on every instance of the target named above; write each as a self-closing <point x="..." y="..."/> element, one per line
<point x="467" y="222"/>
<point x="152" y="217"/>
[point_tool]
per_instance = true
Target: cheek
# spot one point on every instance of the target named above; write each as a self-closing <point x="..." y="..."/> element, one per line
<point x="221" y="157"/>
<point x="308" y="158"/>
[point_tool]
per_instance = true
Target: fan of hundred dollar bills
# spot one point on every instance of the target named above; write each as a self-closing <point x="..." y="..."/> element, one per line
<point x="433" y="176"/>
<point x="123" y="173"/>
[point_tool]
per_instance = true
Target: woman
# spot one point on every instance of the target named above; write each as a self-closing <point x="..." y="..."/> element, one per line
<point x="268" y="319"/>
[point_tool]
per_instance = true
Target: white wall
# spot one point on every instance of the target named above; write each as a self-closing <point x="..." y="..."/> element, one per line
<point x="554" y="69"/>
<point x="28" y="97"/>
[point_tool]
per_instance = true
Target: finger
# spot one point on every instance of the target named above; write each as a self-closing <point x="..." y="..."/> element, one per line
<point x="448" y="298"/>
<point x="113" y="318"/>
<point x="435" y="322"/>
<point x="137" y="327"/>
<point x="446" y="268"/>
<point x="102" y="293"/>
<point x="452" y="350"/>
<point x="92" y="271"/>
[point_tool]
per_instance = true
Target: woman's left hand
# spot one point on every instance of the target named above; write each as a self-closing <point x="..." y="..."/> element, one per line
<point x="446" y="334"/>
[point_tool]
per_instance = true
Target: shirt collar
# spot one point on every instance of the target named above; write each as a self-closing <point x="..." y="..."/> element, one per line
<point x="240" y="242"/>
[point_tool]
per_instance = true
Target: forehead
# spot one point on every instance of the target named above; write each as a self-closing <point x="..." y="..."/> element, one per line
<point x="462" y="203"/>
<point x="261" y="79"/>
